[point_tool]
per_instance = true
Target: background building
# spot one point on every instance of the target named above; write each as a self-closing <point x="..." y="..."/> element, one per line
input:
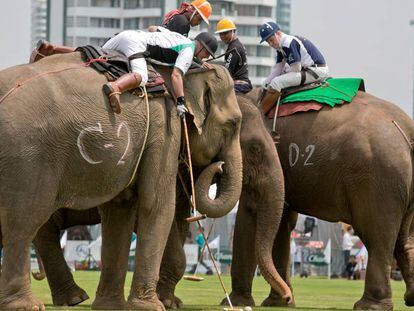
<point x="283" y="14"/>
<point x="39" y="21"/>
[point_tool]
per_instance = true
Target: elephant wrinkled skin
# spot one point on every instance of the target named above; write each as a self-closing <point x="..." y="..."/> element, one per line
<point x="350" y="164"/>
<point x="259" y="158"/>
<point x="63" y="147"/>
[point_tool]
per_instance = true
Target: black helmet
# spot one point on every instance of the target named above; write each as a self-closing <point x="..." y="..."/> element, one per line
<point x="209" y="42"/>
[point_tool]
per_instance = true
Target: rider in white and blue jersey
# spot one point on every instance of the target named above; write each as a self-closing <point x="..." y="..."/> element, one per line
<point x="298" y="61"/>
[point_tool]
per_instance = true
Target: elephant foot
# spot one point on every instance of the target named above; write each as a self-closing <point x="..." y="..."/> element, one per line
<point x="70" y="297"/>
<point x="172" y="303"/>
<point x="109" y="303"/>
<point x="371" y="304"/>
<point x="167" y="297"/>
<point x="26" y="303"/>
<point x="239" y="300"/>
<point x="277" y="301"/>
<point x="140" y="304"/>
<point x="409" y="297"/>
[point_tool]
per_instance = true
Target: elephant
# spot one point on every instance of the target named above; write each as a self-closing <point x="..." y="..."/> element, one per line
<point x="259" y="157"/>
<point x="63" y="147"/>
<point x="351" y="163"/>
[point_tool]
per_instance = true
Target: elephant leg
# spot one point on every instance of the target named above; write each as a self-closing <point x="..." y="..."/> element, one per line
<point x="379" y="238"/>
<point x="65" y="292"/>
<point x="174" y="262"/>
<point x="281" y="258"/>
<point x="244" y="262"/>
<point x="1" y="249"/>
<point x="18" y="232"/>
<point x="118" y="219"/>
<point x="404" y="253"/>
<point x="156" y="205"/>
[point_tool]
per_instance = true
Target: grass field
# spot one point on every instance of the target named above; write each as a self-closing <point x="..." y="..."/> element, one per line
<point x="310" y="294"/>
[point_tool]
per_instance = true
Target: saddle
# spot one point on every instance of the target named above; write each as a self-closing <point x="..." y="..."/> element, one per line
<point x="314" y="96"/>
<point x="296" y="89"/>
<point x="114" y="64"/>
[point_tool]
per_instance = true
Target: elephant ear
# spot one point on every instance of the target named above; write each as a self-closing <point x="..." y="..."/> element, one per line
<point x="198" y="109"/>
<point x="197" y="97"/>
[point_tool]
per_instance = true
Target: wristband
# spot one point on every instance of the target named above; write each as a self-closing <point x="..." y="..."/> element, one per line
<point x="181" y="100"/>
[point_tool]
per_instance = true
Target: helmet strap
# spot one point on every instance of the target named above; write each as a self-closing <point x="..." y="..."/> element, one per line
<point x="199" y="51"/>
<point x="192" y="15"/>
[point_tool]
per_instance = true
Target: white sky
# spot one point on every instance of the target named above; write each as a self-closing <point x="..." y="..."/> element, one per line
<point x="15" y="32"/>
<point x="371" y="39"/>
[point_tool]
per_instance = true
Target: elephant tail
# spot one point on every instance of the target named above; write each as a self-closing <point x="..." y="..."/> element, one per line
<point x="41" y="274"/>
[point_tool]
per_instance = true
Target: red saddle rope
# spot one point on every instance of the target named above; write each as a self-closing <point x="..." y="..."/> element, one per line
<point x="20" y="84"/>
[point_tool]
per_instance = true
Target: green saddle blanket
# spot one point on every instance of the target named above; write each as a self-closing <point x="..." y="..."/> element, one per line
<point x="334" y="91"/>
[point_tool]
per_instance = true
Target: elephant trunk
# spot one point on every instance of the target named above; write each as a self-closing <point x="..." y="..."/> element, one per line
<point x="269" y="214"/>
<point x="229" y="186"/>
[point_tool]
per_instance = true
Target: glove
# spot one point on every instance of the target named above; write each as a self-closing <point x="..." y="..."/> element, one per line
<point x="181" y="108"/>
<point x="265" y="84"/>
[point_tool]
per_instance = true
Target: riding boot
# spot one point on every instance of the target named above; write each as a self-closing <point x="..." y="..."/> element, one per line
<point x="269" y="100"/>
<point x="45" y="48"/>
<point x="124" y="83"/>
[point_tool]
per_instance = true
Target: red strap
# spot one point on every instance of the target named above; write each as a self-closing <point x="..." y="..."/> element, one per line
<point x="86" y="64"/>
<point x="94" y="60"/>
<point x="185" y="7"/>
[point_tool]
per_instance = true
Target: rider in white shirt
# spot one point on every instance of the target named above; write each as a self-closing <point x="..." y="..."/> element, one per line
<point x="168" y="47"/>
<point x="298" y="61"/>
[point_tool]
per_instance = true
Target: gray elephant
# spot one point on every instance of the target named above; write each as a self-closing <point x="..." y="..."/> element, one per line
<point x="259" y="157"/>
<point x="62" y="147"/>
<point x="352" y="164"/>
<point x="360" y="165"/>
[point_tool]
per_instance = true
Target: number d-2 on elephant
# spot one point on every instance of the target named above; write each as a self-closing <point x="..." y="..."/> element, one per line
<point x="352" y="163"/>
<point x="62" y="147"/>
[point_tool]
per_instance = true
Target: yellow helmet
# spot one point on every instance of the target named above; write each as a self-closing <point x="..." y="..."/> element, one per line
<point x="225" y="25"/>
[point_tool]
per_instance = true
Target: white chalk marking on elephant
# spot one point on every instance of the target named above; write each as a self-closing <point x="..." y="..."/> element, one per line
<point x="311" y="150"/>
<point x="80" y="143"/>
<point x="294" y="153"/>
<point x="293" y="148"/>
<point x="124" y="125"/>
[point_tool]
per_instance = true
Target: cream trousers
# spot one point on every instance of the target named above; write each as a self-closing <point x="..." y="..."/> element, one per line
<point x="293" y="78"/>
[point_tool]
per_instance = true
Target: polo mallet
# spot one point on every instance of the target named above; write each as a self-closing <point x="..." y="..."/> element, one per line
<point x="195" y="216"/>
<point x="217" y="271"/>
<point x="198" y="217"/>
<point x="194" y="277"/>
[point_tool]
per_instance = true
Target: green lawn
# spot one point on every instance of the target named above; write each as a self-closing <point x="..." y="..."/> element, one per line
<point x="310" y="294"/>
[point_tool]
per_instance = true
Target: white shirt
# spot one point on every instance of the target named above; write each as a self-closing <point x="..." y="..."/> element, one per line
<point x="170" y="48"/>
<point x="347" y="242"/>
